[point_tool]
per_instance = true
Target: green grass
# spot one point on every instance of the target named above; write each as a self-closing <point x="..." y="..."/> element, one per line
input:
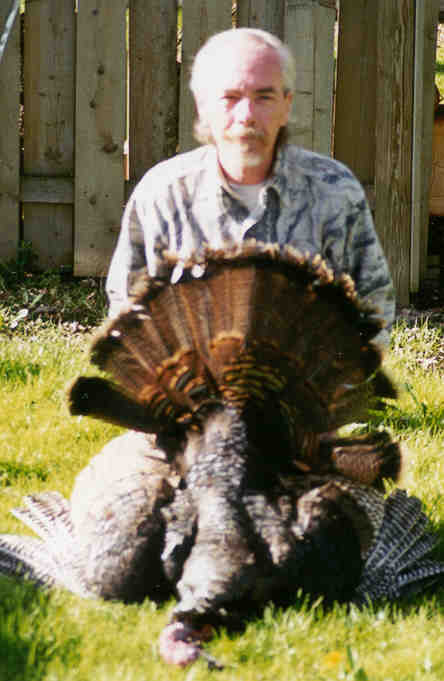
<point x="56" y="636"/>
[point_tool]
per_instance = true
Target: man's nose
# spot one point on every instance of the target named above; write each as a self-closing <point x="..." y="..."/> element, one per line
<point x="244" y="112"/>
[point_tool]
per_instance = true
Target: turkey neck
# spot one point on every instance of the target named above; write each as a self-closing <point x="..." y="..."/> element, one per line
<point x="217" y="477"/>
<point x="222" y="564"/>
<point x="218" y="456"/>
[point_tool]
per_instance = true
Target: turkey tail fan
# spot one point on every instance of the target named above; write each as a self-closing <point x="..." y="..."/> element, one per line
<point x="399" y="561"/>
<point x="262" y="328"/>
<point x="49" y="560"/>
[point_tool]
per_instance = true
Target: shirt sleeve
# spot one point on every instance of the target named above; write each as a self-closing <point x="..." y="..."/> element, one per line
<point x="367" y="265"/>
<point x="128" y="258"/>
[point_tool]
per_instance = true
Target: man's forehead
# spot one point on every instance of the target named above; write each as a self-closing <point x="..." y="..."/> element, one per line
<point x="266" y="90"/>
<point x="258" y="69"/>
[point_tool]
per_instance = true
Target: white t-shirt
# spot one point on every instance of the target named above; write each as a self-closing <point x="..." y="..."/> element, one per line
<point x="249" y="195"/>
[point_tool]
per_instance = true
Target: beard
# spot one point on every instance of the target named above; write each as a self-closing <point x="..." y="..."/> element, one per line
<point x="245" y="143"/>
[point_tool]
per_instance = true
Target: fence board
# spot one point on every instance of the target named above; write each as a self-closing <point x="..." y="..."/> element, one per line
<point x="305" y="34"/>
<point x="263" y="14"/>
<point x="100" y="130"/>
<point x="9" y="139"/>
<point x="49" y="122"/>
<point x="423" y="117"/>
<point x="325" y="16"/>
<point x="153" y="83"/>
<point x="49" y="87"/>
<point x="394" y="138"/>
<point x="200" y="19"/>
<point x="355" y="110"/>
<point x="47" y="189"/>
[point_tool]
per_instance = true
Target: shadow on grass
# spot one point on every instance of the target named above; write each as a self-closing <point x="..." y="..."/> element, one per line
<point x="14" y="370"/>
<point x="11" y="471"/>
<point x="28" y="642"/>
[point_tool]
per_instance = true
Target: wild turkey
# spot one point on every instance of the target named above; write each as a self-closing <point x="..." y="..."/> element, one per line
<point x="238" y="362"/>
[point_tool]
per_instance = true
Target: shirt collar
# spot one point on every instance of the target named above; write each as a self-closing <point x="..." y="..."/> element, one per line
<point x="278" y="178"/>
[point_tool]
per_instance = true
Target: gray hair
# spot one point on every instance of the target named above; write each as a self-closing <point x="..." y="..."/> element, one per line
<point x="202" y="70"/>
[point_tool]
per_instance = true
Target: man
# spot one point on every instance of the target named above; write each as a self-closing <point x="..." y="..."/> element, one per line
<point x="247" y="182"/>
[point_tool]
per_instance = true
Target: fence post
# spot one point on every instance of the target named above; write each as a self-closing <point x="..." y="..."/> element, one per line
<point x="263" y="14"/>
<point x="9" y="140"/>
<point x="426" y="20"/>
<point x="355" y="107"/>
<point x="100" y="131"/>
<point x="309" y="31"/>
<point x="393" y="168"/>
<point x="153" y="84"/>
<point x="200" y="19"/>
<point x="49" y="128"/>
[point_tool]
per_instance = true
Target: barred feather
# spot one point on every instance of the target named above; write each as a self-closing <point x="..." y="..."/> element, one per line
<point x="399" y="560"/>
<point x="26" y="557"/>
<point x="51" y="560"/>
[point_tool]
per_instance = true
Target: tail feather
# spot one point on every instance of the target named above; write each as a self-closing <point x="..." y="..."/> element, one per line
<point x="399" y="561"/>
<point x="51" y="560"/>
<point x="26" y="556"/>
<point x="403" y="536"/>
<point x="412" y="580"/>
<point x="48" y="514"/>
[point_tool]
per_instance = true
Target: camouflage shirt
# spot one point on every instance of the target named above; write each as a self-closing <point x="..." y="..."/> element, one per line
<point x="309" y="201"/>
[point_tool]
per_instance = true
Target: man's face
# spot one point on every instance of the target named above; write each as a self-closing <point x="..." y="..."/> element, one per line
<point x="245" y="107"/>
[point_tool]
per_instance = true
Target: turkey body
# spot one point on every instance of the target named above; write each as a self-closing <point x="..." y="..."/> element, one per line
<point x="238" y="536"/>
<point x="226" y="536"/>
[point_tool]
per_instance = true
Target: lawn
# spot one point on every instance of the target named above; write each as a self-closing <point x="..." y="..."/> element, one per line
<point x="46" y="324"/>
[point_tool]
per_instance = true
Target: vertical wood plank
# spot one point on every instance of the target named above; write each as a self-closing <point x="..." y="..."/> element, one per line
<point x="426" y="23"/>
<point x="201" y="18"/>
<point x="49" y="87"/>
<point x="394" y="138"/>
<point x="9" y="139"/>
<point x="355" y="107"/>
<point x="307" y="23"/>
<point x="153" y="83"/>
<point x="263" y="14"/>
<point x="325" y="16"/>
<point x="100" y="131"/>
<point x="299" y="35"/>
<point x="49" y="122"/>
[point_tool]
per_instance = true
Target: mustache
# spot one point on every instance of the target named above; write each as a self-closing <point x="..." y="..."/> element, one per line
<point x="242" y="132"/>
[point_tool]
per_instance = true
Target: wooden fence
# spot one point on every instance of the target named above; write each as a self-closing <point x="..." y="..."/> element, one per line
<point x="80" y="78"/>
